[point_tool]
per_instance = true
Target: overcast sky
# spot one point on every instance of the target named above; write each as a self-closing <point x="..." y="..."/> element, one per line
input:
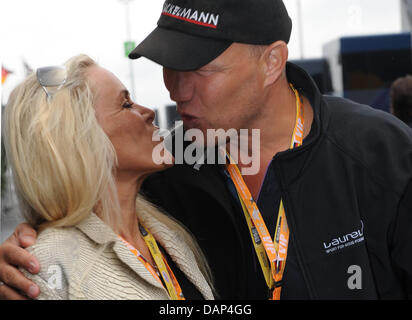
<point x="48" y="32"/>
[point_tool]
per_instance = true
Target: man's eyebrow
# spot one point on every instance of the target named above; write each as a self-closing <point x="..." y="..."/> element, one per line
<point x="215" y="66"/>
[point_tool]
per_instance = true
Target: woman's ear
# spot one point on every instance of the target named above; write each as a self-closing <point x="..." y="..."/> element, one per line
<point x="274" y="61"/>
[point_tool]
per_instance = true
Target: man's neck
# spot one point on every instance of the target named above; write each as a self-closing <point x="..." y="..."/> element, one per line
<point x="278" y="120"/>
<point x="276" y="126"/>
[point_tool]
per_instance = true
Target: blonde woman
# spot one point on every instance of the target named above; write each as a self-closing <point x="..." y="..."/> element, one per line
<point x="79" y="149"/>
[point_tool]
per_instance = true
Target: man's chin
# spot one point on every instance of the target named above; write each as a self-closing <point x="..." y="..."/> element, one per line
<point x="193" y="123"/>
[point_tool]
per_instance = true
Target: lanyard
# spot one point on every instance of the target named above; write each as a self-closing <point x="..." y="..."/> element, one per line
<point x="169" y="279"/>
<point x="271" y="254"/>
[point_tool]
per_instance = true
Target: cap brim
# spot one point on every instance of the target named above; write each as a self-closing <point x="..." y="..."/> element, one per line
<point x="179" y="51"/>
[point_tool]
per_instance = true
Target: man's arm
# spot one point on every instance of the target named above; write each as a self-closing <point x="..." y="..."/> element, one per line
<point x="13" y="284"/>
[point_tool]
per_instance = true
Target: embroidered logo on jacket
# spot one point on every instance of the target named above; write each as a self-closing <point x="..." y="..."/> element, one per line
<point x="344" y="241"/>
<point x="202" y="18"/>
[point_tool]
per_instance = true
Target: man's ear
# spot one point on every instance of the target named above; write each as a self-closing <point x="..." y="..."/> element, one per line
<point x="274" y="61"/>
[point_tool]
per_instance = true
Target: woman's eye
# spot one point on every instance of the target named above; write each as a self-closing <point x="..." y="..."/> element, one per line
<point x="127" y="105"/>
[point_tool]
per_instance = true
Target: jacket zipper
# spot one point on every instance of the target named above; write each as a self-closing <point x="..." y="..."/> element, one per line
<point x="292" y="234"/>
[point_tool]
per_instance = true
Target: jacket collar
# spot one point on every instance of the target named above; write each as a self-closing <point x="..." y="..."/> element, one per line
<point x="99" y="232"/>
<point x="291" y="164"/>
<point x="306" y="86"/>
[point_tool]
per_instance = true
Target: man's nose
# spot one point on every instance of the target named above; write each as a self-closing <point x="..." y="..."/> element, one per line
<point x="179" y="84"/>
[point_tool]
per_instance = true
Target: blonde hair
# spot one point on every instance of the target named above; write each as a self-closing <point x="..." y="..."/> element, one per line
<point x="62" y="161"/>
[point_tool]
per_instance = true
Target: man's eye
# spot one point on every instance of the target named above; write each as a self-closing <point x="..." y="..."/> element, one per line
<point x="127" y="105"/>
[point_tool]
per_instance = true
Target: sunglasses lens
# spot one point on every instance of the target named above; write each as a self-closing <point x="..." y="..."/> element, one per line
<point x="51" y="76"/>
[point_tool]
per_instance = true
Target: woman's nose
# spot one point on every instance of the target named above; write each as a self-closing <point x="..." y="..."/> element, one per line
<point x="147" y="113"/>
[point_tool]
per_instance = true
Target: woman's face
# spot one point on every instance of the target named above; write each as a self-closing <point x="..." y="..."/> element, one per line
<point x="128" y="125"/>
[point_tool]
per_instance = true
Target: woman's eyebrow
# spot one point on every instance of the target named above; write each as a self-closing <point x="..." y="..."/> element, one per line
<point x="124" y="94"/>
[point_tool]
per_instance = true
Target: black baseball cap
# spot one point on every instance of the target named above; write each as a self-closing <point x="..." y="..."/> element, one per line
<point x="192" y="33"/>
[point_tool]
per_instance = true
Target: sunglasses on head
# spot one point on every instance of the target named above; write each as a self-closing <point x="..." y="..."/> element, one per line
<point x="51" y="78"/>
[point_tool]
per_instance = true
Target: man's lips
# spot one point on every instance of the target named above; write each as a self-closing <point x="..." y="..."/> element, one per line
<point x="187" y="117"/>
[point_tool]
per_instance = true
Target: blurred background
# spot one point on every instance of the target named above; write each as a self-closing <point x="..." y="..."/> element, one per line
<point x="352" y="48"/>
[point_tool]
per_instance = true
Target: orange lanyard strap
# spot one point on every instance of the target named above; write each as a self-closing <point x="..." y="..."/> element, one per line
<point x="271" y="254"/>
<point x="169" y="279"/>
<point x="143" y="260"/>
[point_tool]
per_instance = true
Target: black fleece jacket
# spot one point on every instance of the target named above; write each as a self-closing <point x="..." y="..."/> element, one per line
<point x="347" y="193"/>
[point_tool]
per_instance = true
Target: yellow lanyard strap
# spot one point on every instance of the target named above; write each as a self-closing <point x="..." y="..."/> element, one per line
<point x="169" y="279"/>
<point x="271" y="254"/>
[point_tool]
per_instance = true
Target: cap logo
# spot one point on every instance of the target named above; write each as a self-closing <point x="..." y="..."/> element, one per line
<point x="205" y="19"/>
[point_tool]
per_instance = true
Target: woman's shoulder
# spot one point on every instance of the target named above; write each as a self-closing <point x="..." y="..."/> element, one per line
<point x="56" y="243"/>
<point x="56" y="250"/>
<point x="60" y="249"/>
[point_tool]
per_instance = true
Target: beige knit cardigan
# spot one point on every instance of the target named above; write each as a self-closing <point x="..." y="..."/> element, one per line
<point x="89" y="261"/>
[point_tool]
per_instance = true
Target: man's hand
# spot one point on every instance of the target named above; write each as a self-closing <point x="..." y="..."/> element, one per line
<point x="13" y="284"/>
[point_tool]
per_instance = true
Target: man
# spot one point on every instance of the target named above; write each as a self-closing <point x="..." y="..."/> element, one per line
<point x="344" y="180"/>
<point x="401" y="99"/>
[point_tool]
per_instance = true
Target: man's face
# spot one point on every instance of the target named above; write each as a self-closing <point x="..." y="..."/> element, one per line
<point x="224" y="94"/>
